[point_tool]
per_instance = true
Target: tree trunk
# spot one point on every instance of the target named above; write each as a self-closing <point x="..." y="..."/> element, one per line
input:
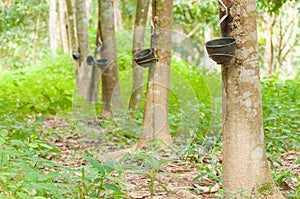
<point x="52" y="25"/>
<point x="269" y="46"/>
<point x="84" y="49"/>
<point x="155" y="122"/>
<point x="62" y="26"/>
<point x="110" y="82"/>
<point x="118" y="16"/>
<point x="72" y="35"/>
<point x="138" y="44"/>
<point x="245" y="166"/>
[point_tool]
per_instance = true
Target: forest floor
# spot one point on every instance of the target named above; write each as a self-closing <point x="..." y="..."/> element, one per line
<point x="177" y="175"/>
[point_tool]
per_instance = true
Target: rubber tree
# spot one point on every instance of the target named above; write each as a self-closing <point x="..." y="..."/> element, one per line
<point x="72" y="33"/>
<point x="245" y="166"/>
<point x="155" y="121"/>
<point x="84" y="73"/>
<point x="138" y="43"/>
<point x="62" y="26"/>
<point x="52" y="25"/>
<point x="110" y="82"/>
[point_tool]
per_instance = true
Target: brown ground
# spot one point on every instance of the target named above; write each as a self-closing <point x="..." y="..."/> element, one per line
<point x="176" y="175"/>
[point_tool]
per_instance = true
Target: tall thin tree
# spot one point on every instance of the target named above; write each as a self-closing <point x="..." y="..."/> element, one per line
<point x="155" y="122"/>
<point x="138" y="43"/>
<point x="72" y="33"/>
<point x="245" y="165"/>
<point x="110" y="82"/>
<point x="52" y="25"/>
<point x="84" y="73"/>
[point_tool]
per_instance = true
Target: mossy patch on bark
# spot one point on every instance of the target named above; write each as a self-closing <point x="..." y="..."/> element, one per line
<point x="266" y="189"/>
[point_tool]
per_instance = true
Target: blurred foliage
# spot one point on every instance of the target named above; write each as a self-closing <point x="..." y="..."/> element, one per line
<point x="17" y="32"/>
<point x="43" y="88"/>
<point x="272" y="6"/>
<point x="281" y="107"/>
<point x="196" y="16"/>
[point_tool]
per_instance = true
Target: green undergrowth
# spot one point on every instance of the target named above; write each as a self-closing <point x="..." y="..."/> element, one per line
<point x="30" y="94"/>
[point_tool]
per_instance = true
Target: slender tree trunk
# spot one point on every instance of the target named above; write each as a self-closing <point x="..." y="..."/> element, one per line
<point x="110" y="82"/>
<point x="52" y="25"/>
<point x="138" y="43"/>
<point x="245" y="165"/>
<point x="72" y="34"/>
<point x="97" y="72"/>
<point x="37" y="27"/>
<point x="269" y="46"/>
<point x="84" y="49"/>
<point x="118" y="16"/>
<point x="155" y="122"/>
<point x="62" y="26"/>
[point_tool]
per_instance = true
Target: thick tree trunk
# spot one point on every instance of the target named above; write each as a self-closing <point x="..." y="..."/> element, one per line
<point x="110" y="82"/>
<point x="138" y="44"/>
<point x="245" y="165"/>
<point x="84" y="74"/>
<point x="155" y="122"/>
<point x="52" y="25"/>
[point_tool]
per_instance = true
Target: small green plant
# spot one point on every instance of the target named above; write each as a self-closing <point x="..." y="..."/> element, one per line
<point x="155" y="164"/>
<point x="101" y="184"/>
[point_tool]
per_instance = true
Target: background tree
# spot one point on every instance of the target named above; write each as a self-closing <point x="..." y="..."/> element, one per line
<point x="281" y="36"/>
<point x="84" y="72"/>
<point x="63" y="26"/>
<point x="245" y="165"/>
<point x="72" y="33"/>
<point x="52" y="25"/>
<point x="110" y="80"/>
<point x="155" y="121"/>
<point x="138" y="43"/>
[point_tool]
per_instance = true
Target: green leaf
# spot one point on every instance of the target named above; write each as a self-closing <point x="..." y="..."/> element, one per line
<point x="163" y="161"/>
<point x="2" y="141"/>
<point x="298" y="160"/>
<point x="3" y="132"/>
<point x="23" y="196"/>
<point x="39" y="197"/>
<point x="96" y="164"/>
<point x="164" y="188"/>
<point x="118" y="181"/>
<point x="111" y="187"/>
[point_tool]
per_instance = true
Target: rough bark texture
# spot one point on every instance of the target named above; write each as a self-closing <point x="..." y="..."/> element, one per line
<point x="245" y="166"/>
<point x="52" y="25"/>
<point x="138" y="44"/>
<point x="155" y="122"/>
<point x="110" y="82"/>
<point x="84" y="48"/>
<point x="72" y="34"/>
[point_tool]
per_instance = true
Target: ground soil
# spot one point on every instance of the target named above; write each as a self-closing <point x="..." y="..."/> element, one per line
<point x="177" y="175"/>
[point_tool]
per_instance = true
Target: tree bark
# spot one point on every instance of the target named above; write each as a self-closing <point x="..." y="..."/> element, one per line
<point x="269" y="46"/>
<point x="84" y="74"/>
<point x="62" y="26"/>
<point x="138" y="44"/>
<point x="72" y="35"/>
<point x="110" y="82"/>
<point x="245" y="166"/>
<point x="118" y="16"/>
<point x="155" y="121"/>
<point x="52" y="25"/>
